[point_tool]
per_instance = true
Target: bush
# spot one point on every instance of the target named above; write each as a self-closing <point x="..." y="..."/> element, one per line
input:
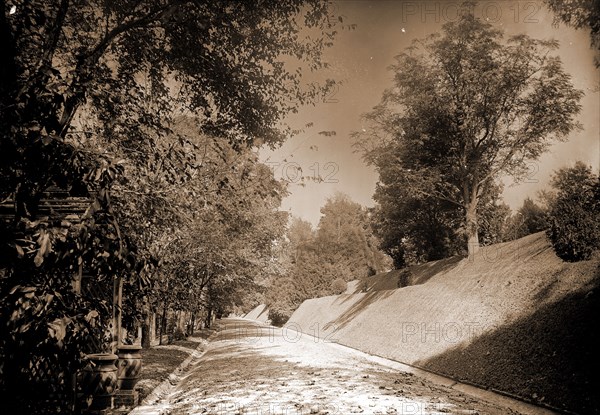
<point x="338" y="286"/>
<point x="278" y="318"/>
<point x="575" y="213"/>
<point x="178" y="334"/>
<point x="574" y="230"/>
<point x="404" y="278"/>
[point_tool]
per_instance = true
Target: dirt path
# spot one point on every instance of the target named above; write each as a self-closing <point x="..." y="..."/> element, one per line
<point x="249" y="369"/>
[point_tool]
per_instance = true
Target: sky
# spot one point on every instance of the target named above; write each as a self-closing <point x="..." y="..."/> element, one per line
<point x="360" y="58"/>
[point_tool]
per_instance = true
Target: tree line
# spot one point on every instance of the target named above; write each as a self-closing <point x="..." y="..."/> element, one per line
<point x="151" y="111"/>
<point x="319" y="262"/>
<point x="467" y="107"/>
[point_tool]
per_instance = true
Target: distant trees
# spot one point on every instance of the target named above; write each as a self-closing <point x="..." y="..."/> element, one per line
<point x="320" y="262"/>
<point x="574" y="212"/>
<point x="467" y="106"/>
<point x="226" y="230"/>
<point x="345" y="242"/>
<point x="529" y="218"/>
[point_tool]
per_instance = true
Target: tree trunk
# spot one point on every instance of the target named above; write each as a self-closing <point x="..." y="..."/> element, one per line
<point x="146" y="331"/>
<point x="163" y="322"/>
<point x="192" y="323"/>
<point x="152" y="333"/>
<point x="146" y="322"/>
<point x="472" y="228"/>
<point x="209" y="317"/>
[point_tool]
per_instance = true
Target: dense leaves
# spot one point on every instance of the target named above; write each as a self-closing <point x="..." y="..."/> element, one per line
<point x="468" y="106"/>
<point x="320" y="262"/>
<point x="529" y="218"/>
<point x="89" y="95"/>
<point x="574" y="213"/>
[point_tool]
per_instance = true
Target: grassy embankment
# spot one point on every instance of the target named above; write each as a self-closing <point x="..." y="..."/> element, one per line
<point x="515" y="318"/>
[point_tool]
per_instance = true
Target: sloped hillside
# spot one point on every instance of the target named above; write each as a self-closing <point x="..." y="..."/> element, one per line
<point x="504" y="319"/>
<point x="417" y="274"/>
<point x="258" y="313"/>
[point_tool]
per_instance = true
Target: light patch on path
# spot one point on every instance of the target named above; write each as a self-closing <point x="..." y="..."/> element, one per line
<point x="251" y="369"/>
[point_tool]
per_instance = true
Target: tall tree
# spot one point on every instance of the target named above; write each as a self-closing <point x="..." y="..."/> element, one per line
<point x="342" y="248"/>
<point x="69" y="64"/>
<point x="345" y="242"/>
<point x="88" y="93"/>
<point x="466" y="107"/>
<point x="529" y="218"/>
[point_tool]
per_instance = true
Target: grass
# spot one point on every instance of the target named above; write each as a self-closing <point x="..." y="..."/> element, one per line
<point x="549" y="356"/>
<point x="158" y="362"/>
<point x="494" y="320"/>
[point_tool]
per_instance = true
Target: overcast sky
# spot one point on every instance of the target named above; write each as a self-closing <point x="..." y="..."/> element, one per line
<point x="360" y="59"/>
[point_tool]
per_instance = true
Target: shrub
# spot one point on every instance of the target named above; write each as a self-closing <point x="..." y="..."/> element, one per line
<point x="278" y="318"/>
<point x="338" y="286"/>
<point x="178" y="334"/>
<point x="404" y="278"/>
<point x="574" y="230"/>
<point x="575" y="213"/>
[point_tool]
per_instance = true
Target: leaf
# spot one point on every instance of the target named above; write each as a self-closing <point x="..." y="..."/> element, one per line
<point x="14" y="289"/>
<point x="57" y="329"/>
<point x="25" y="327"/>
<point x="92" y="315"/>
<point x="45" y="247"/>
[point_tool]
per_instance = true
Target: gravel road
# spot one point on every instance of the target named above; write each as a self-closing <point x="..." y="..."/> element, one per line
<point x="252" y="369"/>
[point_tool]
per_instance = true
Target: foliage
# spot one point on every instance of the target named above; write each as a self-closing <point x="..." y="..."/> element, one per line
<point x="47" y="326"/>
<point x="579" y="14"/>
<point x="338" y="286"/>
<point x="404" y="277"/>
<point x="529" y="218"/>
<point x="416" y="227"/>
<point x="413" y="228"/>
<point x="88" y="95"/>
<point x="218" y="254"/>
<point x="468" y="106"/>
<point x="277" y="318"/>
<point x="574" y="213"/>
<point x="344" y="240"/>
<point x="319" y="263"/>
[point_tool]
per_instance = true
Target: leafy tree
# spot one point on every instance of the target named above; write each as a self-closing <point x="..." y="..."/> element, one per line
<point x="345" y="242"/>
<point x="88" y="94"/>
<point x="228" y="242"/>
<point x="534" y="216"/>
<point x="579" y="14"/>
<point x="343" y="248"/>
<point x="300" y="234"/>
<point x="529" y="218"/>
<point x="574" y="213"/>
<point x="413" y="228"/>
<point x="493" y="213"/>
<point x="466" y="107"/>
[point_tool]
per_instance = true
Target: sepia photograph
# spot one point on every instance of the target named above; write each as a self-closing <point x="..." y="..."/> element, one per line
<point x="294" y="207"/>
